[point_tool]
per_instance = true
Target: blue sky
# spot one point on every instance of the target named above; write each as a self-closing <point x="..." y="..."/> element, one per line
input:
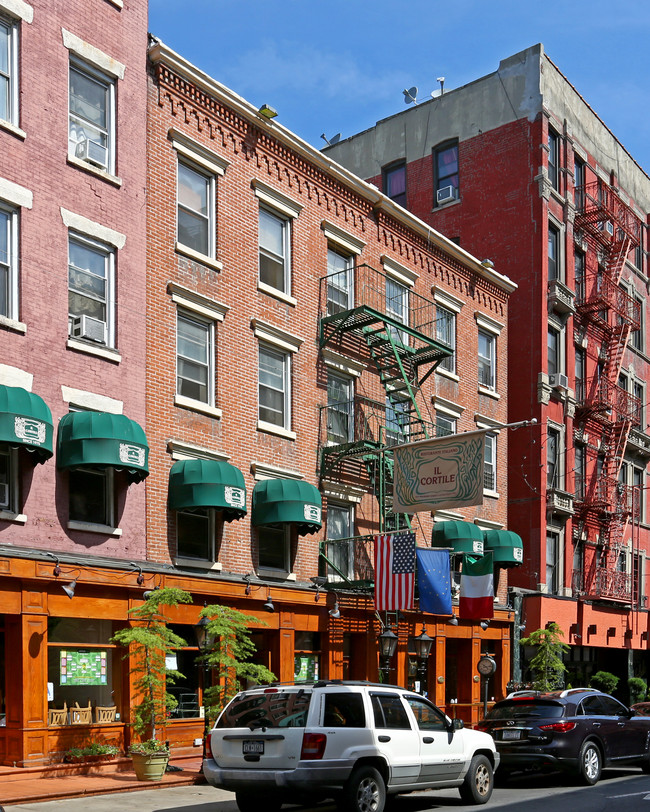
<point x="341" y="65"/>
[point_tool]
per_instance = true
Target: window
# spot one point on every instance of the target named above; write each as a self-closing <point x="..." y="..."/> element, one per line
<point x="273" y="547"/>
<point x="580" y="371"/>
<point x="445" y="425"/>
<point x="8" y="71"/>
<point x="636" y="336"/>
<point x="579" y="181"/>
<point x="394" y="182"/>
<point x="486" y="359"/>
<point x="8" y="262"/>
<point x="490" y="463"/>
<point x="339" y="282"/>
<point x="638" y="476"/>
<point x="553" y="253"/>
<point x="195" y="358"/>
<point x="344" y="710"/>
<point x="274" y="250"/>
<point x="196" y="210"/>
<point x="426" y="716"/>
<point x="398" y="420"/>
<point x="580" y="471"/>
<point x="553" y="158"/>
<point x="554" y="347"/>
<point x="91" y="116"/>
<point x="90" y="289"/>
<point x="274" y="394"/>
<point x="397" y="307"/>
<point x="445" y="168"/>
<point x="446" y="333"/>
<point x="195" y="534"/>
<point x="552" y="563"/>
<point x="340" y="526"/>
<point x="554" y="473"/>
<point x="91" y="496"/>
<point x="8" y="480"/>
<point x="389" y="712"/>
<point x="340" y="427"/>
<point x="638" y="390"/>
<point x="579" y="275"/>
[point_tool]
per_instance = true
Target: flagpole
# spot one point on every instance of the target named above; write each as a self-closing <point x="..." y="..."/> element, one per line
<point x="494" y="426"/>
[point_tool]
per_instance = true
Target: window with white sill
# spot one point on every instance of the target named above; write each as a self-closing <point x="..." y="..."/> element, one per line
<point x="8" y="480"/>
<point x="195" y="358"/>
<point x="339" y="281"/>
<point x="340" y="525"/>
<point x="9" y="70"/>
<point x="273" y="547"/>
<point x="274" y="250"/>
<point x="196" y="534"/>
<point x="8" y="262"/>
<point x="340" y="426"/>
<point x="446" y="334"/>
<point x="196" y="227"/>
<point x="91" y="496"/>
<point x="486" y="359"/>
<point x="91" y="268"/>
<point x="274" y="387"/>
<point x="490" y="463"/>
<point x="91" y="117"/>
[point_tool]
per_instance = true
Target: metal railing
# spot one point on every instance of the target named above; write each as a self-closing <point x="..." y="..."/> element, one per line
<point x="598" y="291"/>
<point x="602" y="395"/>
<point x="597" y="203"/>
<point x="349" y="560"/>
<point x="602" y="582"/>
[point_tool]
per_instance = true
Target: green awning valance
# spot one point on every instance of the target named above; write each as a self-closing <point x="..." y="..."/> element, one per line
<point x="287" y="501"/>
<point x="462" y="537"/>
<point x="507" y="547"/>
<point x="207" y="484"/>
<point x="102" y="440"/>
<point x="26" y="422"/>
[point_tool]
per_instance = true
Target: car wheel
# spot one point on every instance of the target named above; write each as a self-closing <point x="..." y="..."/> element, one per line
<point x="645" y="764"/>
<point x="479" y="782"/>
<point x="248" y="802"/>
<point x="364" y="792"/>
<point x="589" y="763"/>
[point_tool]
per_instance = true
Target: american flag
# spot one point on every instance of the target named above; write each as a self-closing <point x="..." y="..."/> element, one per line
<point x="394" y="571"/>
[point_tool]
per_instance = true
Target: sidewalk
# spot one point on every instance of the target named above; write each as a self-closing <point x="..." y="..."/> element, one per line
<point x="21" y="785"/>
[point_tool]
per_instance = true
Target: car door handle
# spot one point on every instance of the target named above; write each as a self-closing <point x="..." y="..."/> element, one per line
<point x="428" y="739"/>
<point x="384" y="738"/>
<point x="596" y="724"/>
<point x="621" y="724"/>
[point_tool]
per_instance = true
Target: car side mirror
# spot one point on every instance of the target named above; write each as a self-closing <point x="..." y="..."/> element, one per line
<point x="457" y="724"/>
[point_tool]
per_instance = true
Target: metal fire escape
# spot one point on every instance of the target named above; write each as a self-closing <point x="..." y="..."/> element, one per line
<point x="611" y="231"/>
<point x="392" y="329"/>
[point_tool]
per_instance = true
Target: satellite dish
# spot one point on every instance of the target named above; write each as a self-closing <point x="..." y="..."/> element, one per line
<point x="331" y="141"/>
<point x="411" y="95"/>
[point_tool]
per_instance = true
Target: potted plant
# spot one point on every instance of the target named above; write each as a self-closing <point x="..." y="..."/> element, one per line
<point x="150" y="641"/>
<point x="91" y="752"/>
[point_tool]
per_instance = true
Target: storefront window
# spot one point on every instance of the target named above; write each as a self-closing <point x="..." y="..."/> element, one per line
<point x="84" y="671"/>
<point x="188" y="689"/>
<point x="307" y="657"/>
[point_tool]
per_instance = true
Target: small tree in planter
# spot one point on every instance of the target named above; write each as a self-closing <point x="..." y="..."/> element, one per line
<point x="604" y="681"/>
<point x="150" y="641"/>
<point x="230" y="649"/>
<point x="638" y="689"/>
<point x="547" y="666"/>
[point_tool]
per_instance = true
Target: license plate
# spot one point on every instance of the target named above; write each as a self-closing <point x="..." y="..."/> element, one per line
<point x="510" y="735"/>
<point x="253" y="747"/>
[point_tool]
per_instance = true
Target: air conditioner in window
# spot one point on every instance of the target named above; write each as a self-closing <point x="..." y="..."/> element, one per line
<point x="89" y="328"/>
<point x="4" y="495"/>
<point x="558" y="380"/>
<point x="446" y="193"/>
<point x="92" y="152"/>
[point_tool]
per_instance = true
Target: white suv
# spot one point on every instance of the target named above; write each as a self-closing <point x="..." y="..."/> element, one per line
<point x="352" y="741"/>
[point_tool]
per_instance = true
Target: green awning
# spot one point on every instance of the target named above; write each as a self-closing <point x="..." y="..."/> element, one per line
<point x="207" y="484"/>
<point x="462" y="537"/>
<point x="507" y="547"/>
<point x="287" y="501"/>
<point x="26" y="422"/>
<point x="102" y="440"/>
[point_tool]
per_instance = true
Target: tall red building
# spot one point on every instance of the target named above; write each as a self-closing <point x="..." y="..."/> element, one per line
<point x="517" y="167"/>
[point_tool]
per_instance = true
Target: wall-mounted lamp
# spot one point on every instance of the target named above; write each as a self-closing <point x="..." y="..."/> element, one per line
<point x="267" y="112"/>
<point x="484" y="624"/>
<point x="441" y="680"/>
<point x="453" y="621"/>
<point x="521" y="627"/>
<point x="335" y="612"/>
<point x="69" y="588"/>
<point x="247" y="580"/>
<point x="57" y="568"/>
<point x="319" y="589"/>
<point x="140" y="578"/>
<point x="268" y="606"/>
<point x="149" y="592"/>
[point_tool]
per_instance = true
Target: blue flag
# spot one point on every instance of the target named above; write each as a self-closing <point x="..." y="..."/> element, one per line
<point x="434" y="580"/>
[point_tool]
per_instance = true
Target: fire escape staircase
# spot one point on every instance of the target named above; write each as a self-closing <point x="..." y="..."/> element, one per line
<point x="612" y="229"/>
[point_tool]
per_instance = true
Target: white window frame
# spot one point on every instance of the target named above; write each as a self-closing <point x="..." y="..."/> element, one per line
<point x="347" y="509"/>
<point x="108" y="253"/>
<point x="9" y="264"/>
<point x="346" y="383"/>
<point x="285" y="358"/>
<point x="554" y="177"/>
<point x="557" y="480"/>
<point x="487" y="361"/>
<point x="283" y="259"/>
<point x="490" y="451"/>
<point x="284" y="344"/>
<point x="210" y="217"/>
<point x="491" y="329"/>
<point x="284" y="209"/>
<point x="11" y="77"/>
<point x="450" y="318"/>
<point x="10" y="509"/>
<point x="557" y="572"/>
<point x="393" y="409"/>
<point x="452" y="423"/>
<point x="90" y="72"/>
<point x="210" y="362"/>
<point x="333" y="273"/>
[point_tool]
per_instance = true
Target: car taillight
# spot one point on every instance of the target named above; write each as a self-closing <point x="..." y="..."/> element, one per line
<point x="559" y="727"/>
<point x="313" y="746"/>
<point x="482" y="726"/>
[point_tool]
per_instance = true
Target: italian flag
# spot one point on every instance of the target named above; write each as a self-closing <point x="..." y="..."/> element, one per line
<point x="477" y="588"/>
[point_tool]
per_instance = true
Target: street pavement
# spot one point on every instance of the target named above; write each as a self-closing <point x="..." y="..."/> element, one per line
<point x="619" y="790"/>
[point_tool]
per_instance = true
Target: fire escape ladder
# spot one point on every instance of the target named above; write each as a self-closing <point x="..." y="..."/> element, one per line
<point x="616" y="257"/>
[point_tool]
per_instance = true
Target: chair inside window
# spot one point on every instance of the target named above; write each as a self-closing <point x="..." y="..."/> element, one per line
<point x="105" y="713"/>
<point x="81" y="716"/>
<point x="58" y="716"/>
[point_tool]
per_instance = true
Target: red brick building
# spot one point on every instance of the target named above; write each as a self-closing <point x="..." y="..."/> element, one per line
<point x="72" y="355"/>
<point x="279" y="285"/>
<point x="517" y="167"/>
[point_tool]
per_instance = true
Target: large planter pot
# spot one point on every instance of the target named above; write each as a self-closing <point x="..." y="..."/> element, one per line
<point x="149" y="766"/>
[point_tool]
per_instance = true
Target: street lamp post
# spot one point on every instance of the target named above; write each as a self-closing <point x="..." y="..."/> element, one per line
<point x="423" y="645"/>
<point x="387" y="647"/>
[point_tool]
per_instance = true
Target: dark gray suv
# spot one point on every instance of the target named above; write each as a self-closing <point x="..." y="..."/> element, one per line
<point x="580" y="729"/>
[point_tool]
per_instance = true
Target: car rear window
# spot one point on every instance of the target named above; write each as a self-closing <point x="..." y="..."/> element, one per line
<point x="274" y="709"/>
<point x="526" y="709"/>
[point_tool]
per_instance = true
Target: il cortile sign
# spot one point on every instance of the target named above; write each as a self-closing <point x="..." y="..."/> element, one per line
<point x="442" y="473"/>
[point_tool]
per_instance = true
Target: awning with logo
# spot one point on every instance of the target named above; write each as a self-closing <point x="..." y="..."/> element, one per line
<point x="507" y="547"/>
<point x="287" y="501"/>
<point x="207" y="484"/>
<point x="462" y="537"/>
<point x="102" y="440"/>
<point x="26" y="422"/>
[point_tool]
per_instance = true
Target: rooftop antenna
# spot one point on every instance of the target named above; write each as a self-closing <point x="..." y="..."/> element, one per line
<point x="411" y="95"/>
<point x="436" y="93"/>
<point x="331" y="141"/>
